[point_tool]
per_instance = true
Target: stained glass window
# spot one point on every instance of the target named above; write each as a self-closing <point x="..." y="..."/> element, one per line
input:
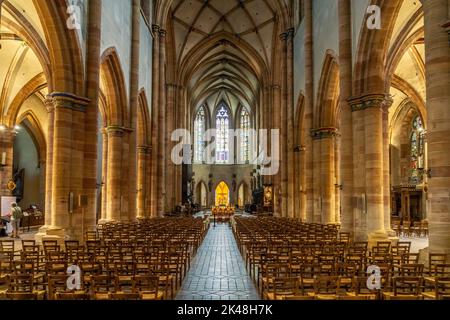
<point x="222" y="135"/>
<point x="199" y="135"/>
<point x="245" y="136"/>
<point x="417" y="150"/>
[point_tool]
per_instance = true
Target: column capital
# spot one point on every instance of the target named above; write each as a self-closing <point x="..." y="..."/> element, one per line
<point x="371" y="100"/>
<point x="49" y="104"/>
<point x="144" y="149"/>
<point x="68" y="100"/>
<point x="324" y="133"/>
<point x="115" y="131"/>
<point x="299" y="148"/>
<point x="156" y="29"/>
<point x="7" y="132"/>
<point x="288" y="34"/>
<point x="162" y="33"/>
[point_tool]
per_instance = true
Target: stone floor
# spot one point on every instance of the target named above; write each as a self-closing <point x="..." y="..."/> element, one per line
<point x="218" y="270"/>
<point x="416" y="243"/>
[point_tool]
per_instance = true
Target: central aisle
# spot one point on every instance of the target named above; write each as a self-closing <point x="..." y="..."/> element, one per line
<point x="218" y="270"/>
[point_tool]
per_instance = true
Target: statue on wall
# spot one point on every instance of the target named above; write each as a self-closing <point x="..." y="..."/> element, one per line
<point x="210" y="185"/>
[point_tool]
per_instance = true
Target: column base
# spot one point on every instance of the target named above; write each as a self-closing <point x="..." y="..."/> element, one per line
<point x="51" y="233"/>
<point x="377" y="236"/>
<point x="105" y="221"/>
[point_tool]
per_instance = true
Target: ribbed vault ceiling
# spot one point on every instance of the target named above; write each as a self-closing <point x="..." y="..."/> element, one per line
<point x="225" y="68"/>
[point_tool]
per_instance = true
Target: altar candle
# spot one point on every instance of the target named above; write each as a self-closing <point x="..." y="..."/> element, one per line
<point x="3" y="158"/>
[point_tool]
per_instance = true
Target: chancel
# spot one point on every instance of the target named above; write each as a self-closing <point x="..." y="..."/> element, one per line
<point x="225" y="150"/>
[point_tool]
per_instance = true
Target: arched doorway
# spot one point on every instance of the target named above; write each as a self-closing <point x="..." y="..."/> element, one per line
<point x="202" y="194"/>
<point x="28" y="173"/>
<point x="242" y="195"/>
<point x="222" y="195"/>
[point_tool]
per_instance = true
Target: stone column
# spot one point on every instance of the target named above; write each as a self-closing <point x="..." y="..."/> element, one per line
<point x="346" y="123"/>
<point x="277" y="179"/>
<point x="371" y="109"/>
<point x="104" y="214"/>
<point x="357" y="216"/>
<point x="316" y="168"/>
<point x="92" y="90"/>
<point x="7" y="148"/>
<point x="134" y="93"/>
<point x="437" y="44"/>
<point x="114" y="178"/>
<point x="283" y="111"/>
<point x="68" y="165"/>
<point x="155" y="121"/>
<point x="161" y="191"/>
<point x="49" y="164"/>
<point x="325" y="186"/>
<point x="170" y="167"/>
<point x="386" y="169"/>
<point x="290" y="123"/>
<point x="142" y="191"/>
<point x="309" y="106"/>
<point x="302" y="183"/>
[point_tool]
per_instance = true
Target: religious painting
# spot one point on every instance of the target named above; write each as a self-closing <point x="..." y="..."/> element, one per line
<point x="222" y="195"/>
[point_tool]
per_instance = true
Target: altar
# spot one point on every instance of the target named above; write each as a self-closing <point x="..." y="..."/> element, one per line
<point x="223" y="213"/>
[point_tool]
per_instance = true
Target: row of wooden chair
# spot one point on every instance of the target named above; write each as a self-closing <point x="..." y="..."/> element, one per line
<point x="280" y="248"/>
<point x="163" y="253"/>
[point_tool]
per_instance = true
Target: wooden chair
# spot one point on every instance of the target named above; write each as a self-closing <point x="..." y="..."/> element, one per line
<point x="411" y="270"/>
<point x="6" y="265"/>
<point x="441" y="289"/>
<point x="405" y="288"/>
<point x="28" y="243"/>
<point x="57" y="289"/>
<point x="148" y="287"/>
<point x="361" y="290"/>
<point x="326" y="287"/>
<point x="124" y="290"/>
<point x="435" y="259"/>
<point x="102" y="287"/>
<point x="282" y="288"/>
<point x="21" y="287"/>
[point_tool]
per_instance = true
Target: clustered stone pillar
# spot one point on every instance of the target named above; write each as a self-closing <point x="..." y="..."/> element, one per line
<point x="277" y="179"/>
<point x="386" y="168"/>
<point x="155" y="121"/>
<point x="437" y="56"/>
<point x="368" y="139"/>
<point x="91" y="129"/>
<point x="172" y="90"/>
<point x="161" y="185"/>
<point x="308" y="166"/>
<point x="67" y="184"/>
<point x="114" y="178"/>
<point x="324" y="138"/>
<point x="346" y="123"/>
<point x="104" y="184"/>
<point x="144" y="153"/>
<point x="49" y="164"/>
<point x="134" y="102"/>
<point x="290" y="122"/>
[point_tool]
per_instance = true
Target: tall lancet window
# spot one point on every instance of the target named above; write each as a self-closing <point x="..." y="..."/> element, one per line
<point x="417" y="150"/>
<point x="222" y="135"/>
<point x="199" y="135"/>
<point x="245" y="136"/>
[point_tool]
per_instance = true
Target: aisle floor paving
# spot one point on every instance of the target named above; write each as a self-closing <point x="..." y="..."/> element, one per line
<point x="218" y="270"/>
